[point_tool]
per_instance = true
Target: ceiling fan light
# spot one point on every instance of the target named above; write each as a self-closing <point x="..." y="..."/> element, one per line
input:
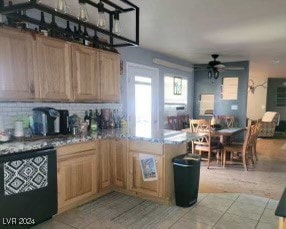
<point x="216" y="74"/>
<point x="210" y="74"/>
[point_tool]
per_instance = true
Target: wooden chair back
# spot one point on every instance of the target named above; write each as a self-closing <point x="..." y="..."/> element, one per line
<point x="183" y="121"/>
<point x="173" y="123"/>
<point x="197" y="125"/>
<point x="227" y="121"/>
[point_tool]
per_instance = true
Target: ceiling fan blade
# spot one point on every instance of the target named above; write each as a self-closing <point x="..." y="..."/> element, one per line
<point x="220" y="66"/>
<point x="234" y="68"/>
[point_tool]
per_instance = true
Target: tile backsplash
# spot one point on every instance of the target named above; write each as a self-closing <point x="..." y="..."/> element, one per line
<point x="10" y="111"/>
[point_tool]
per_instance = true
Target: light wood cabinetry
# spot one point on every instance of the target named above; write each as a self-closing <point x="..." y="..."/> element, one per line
<point x="119" y="162"/>
<point x="86" y="78"/>
<point x="136" y="182"/>
<point x="110" y="76"/>
<point x="53" y="69"/>
<point x="105" y="180"/>
<point x="77" y="174"/>
<point x="16" y="68"/>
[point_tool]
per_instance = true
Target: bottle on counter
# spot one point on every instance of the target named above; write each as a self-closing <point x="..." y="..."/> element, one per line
<point x="93" y="124"/>
<point x="86" y="119"/>
<point x="75" y="34"/>
<point x="80" y="34"/>
<point x="95" y="40"/>
<point x="89" y="118"/>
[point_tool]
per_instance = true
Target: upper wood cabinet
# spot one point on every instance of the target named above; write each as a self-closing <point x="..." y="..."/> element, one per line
<point x="119" y="162"/>
<point x="53" y="69"/>
<point x="85" y="71"/>
<point x="110" y="76"/>
<point x="16" y="65"/>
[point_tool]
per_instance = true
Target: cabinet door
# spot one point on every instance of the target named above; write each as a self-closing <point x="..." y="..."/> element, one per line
<point x="77" y="178"/>
<point x="110" y="77"/>
<point x="104" y="164"/>
<point x="136" y="182"/>
<point x="16" y="68"/>
<point x="85" y="67"/>
<point x="54" y="69"/>
<point x="119" y="162"/>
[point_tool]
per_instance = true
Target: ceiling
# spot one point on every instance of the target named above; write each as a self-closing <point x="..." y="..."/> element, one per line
<point x="192" y="30"/>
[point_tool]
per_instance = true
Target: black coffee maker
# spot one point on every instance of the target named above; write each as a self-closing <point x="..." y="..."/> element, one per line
<point x="64" y="122"/>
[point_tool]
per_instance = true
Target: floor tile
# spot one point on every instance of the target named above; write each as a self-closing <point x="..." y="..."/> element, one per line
<point x="201" y="196"/>
<point x="231" y="196"/>
<point x="204" y="215"/>
<point x="187" y="224"/>
<point x="235" y="222"/>
<point x="221" y="204"/>
<point x="254" y="200"/>
<point x="262" y="225"/>
<point x="52" y="224"/>
<point x="272" y="204"/>
<point x="104" y="224"/>
<point x="246" y="210"/>
<point x="268" y="216"/>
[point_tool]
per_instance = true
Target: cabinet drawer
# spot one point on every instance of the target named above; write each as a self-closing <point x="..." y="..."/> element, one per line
<point x="70" y="150"/>
<point x="144" y="146"/>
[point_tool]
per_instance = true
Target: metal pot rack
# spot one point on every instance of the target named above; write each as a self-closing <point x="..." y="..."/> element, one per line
<point x="13" y="12"/>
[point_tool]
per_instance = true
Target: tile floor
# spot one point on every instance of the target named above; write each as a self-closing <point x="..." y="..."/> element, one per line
<point x="116" y="210"/>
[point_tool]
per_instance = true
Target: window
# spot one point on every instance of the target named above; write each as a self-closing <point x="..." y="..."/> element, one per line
<point x="229" y="88"/>
<point x="206" y="104"/>
<point x="281" y="97"/>
<point x="175" y="90"/>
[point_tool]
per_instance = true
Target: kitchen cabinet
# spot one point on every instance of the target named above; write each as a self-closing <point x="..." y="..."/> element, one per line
<point x="16" y="69"/>
<point x="86" y="78"/>
<point x="105" y="179"/>
<point x="136" y="183"/>
<point x="109" y="76"/>
<point x="119" y="162"/>
<point x="77" y="174"/>
<point x="53" y="69"/>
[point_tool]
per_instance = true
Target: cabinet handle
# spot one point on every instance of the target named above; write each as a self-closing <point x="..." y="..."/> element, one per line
<point x="32" y="88"/>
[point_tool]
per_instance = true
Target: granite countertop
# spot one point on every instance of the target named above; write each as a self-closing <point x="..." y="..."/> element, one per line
<point x="160" y="136"/>
<point x="281" y="208"/>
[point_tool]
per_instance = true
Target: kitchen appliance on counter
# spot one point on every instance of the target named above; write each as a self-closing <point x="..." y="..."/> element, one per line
<point x="46" y="121"/>
<point x="64" y="121"/>
<point x="28" y="187"/>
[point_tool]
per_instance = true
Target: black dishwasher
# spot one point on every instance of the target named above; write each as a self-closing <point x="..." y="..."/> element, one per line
<point x="28" y="188"/>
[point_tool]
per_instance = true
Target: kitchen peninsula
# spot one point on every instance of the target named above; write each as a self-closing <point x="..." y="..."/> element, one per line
<point x="109" y="160"/>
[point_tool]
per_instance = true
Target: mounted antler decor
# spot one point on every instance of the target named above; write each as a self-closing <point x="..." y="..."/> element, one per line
<point x="252" y="86"/>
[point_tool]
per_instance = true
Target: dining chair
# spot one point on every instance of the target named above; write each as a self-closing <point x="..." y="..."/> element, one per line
<point x="183" y="121"/>
<point x="242" y="150"/>
<point x="173" y="123"/>
<point x="227" y="121"/>
<point x="253" y="139"/>
<point x="205" y="144"/>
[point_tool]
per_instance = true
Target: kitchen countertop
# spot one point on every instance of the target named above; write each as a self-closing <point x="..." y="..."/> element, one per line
<point x="159" y="136"/>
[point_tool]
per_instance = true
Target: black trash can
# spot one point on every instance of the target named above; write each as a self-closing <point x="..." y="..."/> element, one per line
<point x="186" y="179"/>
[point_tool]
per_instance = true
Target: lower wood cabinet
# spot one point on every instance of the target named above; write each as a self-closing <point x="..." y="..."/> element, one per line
<point x="136" y="182"/>
<point x="77" y="174"/>
<point x="119" y="163"/>
<point x="105" y="180"/>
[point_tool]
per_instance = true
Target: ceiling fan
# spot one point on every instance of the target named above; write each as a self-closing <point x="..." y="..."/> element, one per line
<point x="214" y="67"/>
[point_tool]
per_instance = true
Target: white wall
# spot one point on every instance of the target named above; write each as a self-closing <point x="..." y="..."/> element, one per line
<point x="260" y="71"/>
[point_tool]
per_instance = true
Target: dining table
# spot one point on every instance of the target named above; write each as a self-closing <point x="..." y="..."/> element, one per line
<point x="226" y="133"/>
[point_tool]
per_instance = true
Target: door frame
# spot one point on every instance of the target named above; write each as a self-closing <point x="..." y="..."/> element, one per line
<point x="156" y="71"/>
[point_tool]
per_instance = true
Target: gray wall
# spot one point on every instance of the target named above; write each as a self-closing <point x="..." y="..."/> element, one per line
<point x="204" y="85"/>
<point x="145" y="57"/>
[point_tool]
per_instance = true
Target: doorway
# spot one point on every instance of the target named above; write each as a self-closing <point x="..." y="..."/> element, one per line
<point x="142" y="99"/>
